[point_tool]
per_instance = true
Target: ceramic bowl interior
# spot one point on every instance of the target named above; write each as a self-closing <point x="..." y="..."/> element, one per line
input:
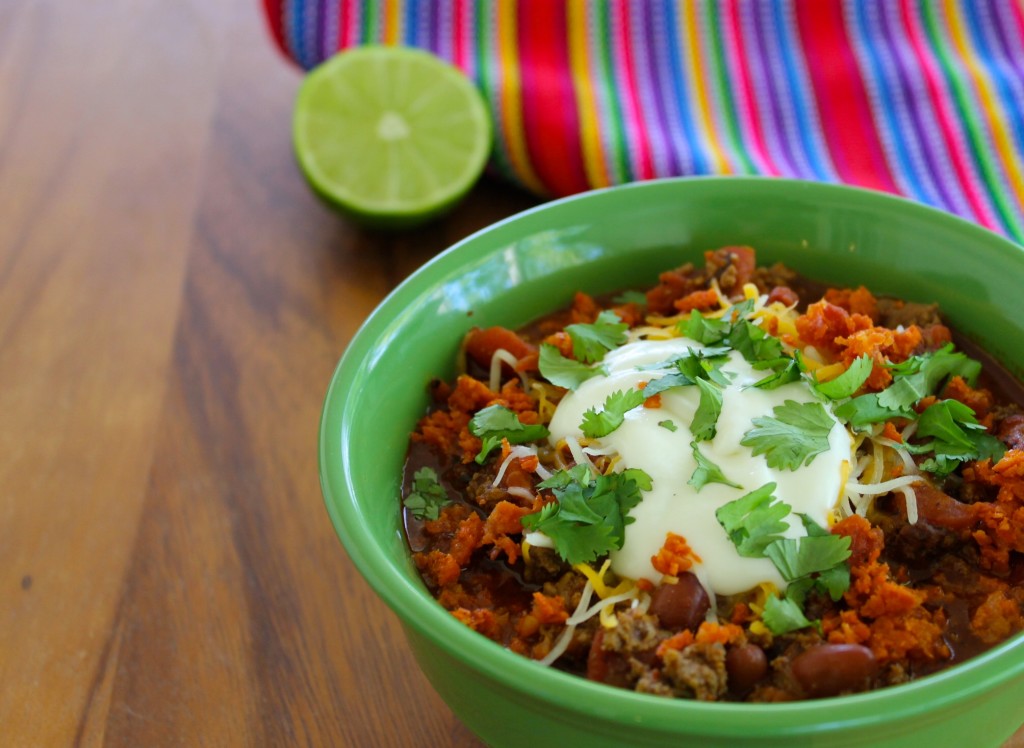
<point x="602" y="241"/>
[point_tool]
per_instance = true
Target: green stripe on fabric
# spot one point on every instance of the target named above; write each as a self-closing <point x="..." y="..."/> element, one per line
<point x="719" y="85"/>
<point x="966" y="107"/>
<point x="490" y="80"/>
<point x="614" y="144"/>
<point x="370" y="31"/>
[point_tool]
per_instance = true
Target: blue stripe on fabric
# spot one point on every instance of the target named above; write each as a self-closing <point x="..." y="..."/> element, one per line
<point x="884" y="106"/>
<point x="676" y="71"/>
<point x="769" y="97"/>
<point x="986" y="35"/>
<point x="931" y="161"/>
<point x="648" y="91"/>
<point x="806" y="113"/>
<point x="409" y="11"/>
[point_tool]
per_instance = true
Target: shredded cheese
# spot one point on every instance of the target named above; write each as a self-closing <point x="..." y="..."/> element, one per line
<point x="559" y="647"/>
<point x="499" y="357"/>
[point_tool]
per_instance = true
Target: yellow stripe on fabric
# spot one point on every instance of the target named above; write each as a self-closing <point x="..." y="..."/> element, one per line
<point x="586" y="103"/>
<point x="698" y="75"/>
<point x="511" y="96"/>
<point x="390" y="22"/>
<point x="992" y="110"/>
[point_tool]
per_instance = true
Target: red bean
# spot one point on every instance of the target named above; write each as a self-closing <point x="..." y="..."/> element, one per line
<point x="682" y="605"/>
<point x="605" y="666"/>
<point x="831" y="669"/>
<point x="940" y="509"/>
<point x="746" y="665"/>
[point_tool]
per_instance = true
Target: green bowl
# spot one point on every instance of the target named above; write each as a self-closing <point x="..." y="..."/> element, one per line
<point x="601" y="241"/>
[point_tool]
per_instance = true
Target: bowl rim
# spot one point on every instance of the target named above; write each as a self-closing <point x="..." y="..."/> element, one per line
<point x="972" y="678"/>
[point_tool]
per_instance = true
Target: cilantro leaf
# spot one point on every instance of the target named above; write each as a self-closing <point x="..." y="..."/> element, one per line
<point x="705" y="363"/>
<point x="562" y="371"/>
<point x="948" y="422"/>
<point x="591" y="342"/>
<point x="796" y="434"/>
<point x="801" y="557"/>
<point x="705" y="420"/>
<point x="920" y="376"/>
<point x="753" y="343"/>
<point x="427" y="497"/>
<point x="632" y="297"/>
<point x="834" y="581"/>
<point x="707" y="471"/>
<point x="865" y="410"/>
<point x="601" y="423"/>
<point x="784" y="371"/>
<point x="496" y="422"/>
<point x="754" y="520"/>
<point x="782" y="615"/>
<point x="849" y="381"/>
<point x="667" y="382"/>
<point x="668" y="424"/>
<point x="590" y="513"/>
<point x="956" y="437"/>
<point x="705" y="330"/>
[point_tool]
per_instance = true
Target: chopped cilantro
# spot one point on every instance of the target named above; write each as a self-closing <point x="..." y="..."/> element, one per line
<point x="705" y="364"/>
<point x="849" y="381"/>
<point x="427" y="496"/>
<point x="865" y="410"/>
<point x="754" y="520"/>
<point x="601" y="423"/>
<point x="705" y="420"/>
<point x="562" y="371"/>
<point x="796" y="434"/>
<point x="668" y="424"/>
<point x="496" y="422"/>
<point x="817" y="561"/>
<point x="956" y="437"/>
<point x="591" y="342"/>
<point x="705" y="330"/>
<point x="707" y="471"/>
<point x="632" y="297"/>
<point x="802" y="557"/>
<point x="782" y="615"/>
<point x="784" y="371"/>
<point x="920" y="376"/>
<point x="754" y="344"/>
<point x="667" y="382"/>
<point x="590" y="513"/>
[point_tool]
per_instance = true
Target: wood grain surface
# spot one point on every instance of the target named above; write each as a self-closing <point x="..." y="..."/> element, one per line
<point x="173" y="301"/>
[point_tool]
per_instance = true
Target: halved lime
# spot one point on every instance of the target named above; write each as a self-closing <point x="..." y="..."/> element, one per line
<point x="391" y="135"/>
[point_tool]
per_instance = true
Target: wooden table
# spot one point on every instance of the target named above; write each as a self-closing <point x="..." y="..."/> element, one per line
<point x="173" y="301"/>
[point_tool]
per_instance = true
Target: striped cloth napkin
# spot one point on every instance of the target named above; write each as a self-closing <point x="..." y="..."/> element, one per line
<point x="923" y="98"/>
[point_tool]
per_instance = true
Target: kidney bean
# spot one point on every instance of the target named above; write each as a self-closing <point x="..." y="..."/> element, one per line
<point x="940" y="509"/>
<point x="605" y="666"/>
<point x="831" y="669"/>
<point x="682" y="605"/>
<point x="746" y="665"/>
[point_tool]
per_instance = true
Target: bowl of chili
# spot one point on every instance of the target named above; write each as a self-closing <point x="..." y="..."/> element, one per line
<point x="604" y="242"/>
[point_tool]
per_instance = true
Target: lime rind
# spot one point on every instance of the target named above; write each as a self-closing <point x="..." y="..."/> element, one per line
<point x="391" y="135"/>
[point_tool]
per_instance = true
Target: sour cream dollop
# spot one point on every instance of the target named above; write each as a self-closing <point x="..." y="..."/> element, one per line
<point x="672" y="505"/>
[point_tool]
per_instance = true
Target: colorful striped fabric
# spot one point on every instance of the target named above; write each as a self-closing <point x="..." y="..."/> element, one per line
<point x="924" y="99"/>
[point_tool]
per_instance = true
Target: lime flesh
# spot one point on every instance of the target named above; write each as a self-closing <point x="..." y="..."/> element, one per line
<point x="391" y="135"/>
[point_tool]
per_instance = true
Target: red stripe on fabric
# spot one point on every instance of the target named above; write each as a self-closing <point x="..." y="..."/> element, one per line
<point x="1017" y="10"/>
<point x="345" y="36"/>
<point x="273" y="14"/>
<point x="640" y="137"/>
<point x="954" y="145"/>
<point x="843" y="106"/>
<point x="752" y="120"/>
<point x="459" y="35"/>
<point x="550" y="120"/>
